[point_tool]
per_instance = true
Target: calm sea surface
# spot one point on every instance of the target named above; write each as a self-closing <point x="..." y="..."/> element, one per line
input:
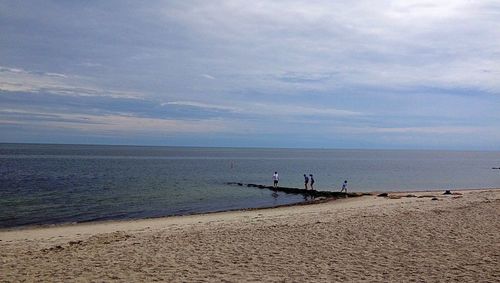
<point x="45" y="184"/>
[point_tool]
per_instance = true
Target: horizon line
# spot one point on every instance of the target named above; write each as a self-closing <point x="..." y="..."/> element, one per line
<point x="251" y="147"/>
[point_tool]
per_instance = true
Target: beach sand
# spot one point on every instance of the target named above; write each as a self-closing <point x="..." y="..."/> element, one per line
<point x="369" y="238"/>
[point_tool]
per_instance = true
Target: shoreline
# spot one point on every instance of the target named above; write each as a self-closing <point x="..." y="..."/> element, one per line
<point x="36" y="227"/>
<point x="367" y="238"/>
<point x="123" y="223"/>
<point x="301" y="203"/>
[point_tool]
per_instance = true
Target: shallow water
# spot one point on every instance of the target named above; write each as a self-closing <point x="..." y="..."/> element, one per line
<point x="42" y="184"/>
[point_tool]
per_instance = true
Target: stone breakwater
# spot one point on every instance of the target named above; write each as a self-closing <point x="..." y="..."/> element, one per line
<point x="311" y="193"/>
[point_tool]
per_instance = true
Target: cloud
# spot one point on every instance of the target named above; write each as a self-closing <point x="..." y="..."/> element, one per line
<point x="431" y="130"/>
<point x="416" y="67"/>
<point x="294" y="77"/>
<point x="19" y="116"/>
<point x="208" y="76"/>
<point x="8" y="70"/>
<point x="290" y="46"/>
<point x="112" y="123"/>
<point x="20" y="80"/>
<point x="410" y="44"/>
<point x="277" y="110"/>
<point x="270" y="109"/>
<point x="201" y="105"/>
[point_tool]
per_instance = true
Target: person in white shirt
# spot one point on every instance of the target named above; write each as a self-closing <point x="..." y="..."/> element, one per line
<point x="276" y="178"/>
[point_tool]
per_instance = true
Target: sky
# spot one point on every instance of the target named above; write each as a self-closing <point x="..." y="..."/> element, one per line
<point x="301" y="74"/>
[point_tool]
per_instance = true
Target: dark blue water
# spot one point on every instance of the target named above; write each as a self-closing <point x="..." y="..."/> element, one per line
<point x="43" y="184"/>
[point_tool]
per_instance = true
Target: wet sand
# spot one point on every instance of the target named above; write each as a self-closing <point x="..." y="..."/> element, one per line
<point x="369" y="238"/>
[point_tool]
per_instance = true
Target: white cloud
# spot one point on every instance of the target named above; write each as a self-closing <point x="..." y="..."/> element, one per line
<point x="208" y="76"/>
<point x="119" y="123"/>
<point x="277" y="110"/>
<point x="392" y="43"/>
<point x="20" y="80"/>
<point x="270" y="109"/>
<point x="407" y="64"/>
<point x="430" y="130"/>
<point x="201" y="105"/>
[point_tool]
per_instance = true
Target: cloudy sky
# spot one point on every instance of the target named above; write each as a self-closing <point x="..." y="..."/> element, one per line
<point x="332" y="74"/>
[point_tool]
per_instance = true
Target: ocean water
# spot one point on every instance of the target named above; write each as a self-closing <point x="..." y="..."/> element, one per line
<point x="48" y="184"/>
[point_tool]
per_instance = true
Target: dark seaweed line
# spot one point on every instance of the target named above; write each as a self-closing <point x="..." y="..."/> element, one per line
<point x="297" y="191"/>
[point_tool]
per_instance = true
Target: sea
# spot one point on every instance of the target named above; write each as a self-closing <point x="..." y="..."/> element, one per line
<point x="43" y="184"/>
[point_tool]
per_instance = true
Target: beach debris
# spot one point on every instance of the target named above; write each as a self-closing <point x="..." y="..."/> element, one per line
<point x="399" y="196"/>
<point x="54" y="248"/>
<point x="496" y="168"/>
<point x="434" y="198"/>
<point x="447" y="192"/>
<point x="426" y="196"/>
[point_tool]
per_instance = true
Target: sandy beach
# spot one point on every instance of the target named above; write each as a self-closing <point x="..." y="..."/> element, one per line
<point x="399" y="238"/>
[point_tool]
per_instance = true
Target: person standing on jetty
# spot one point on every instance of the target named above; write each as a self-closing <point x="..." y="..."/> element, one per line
<point x="312" y="181"/>
<point x="306" y="181"/>
<point x="276" y="179"/>
<point x="344" y="187"/>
